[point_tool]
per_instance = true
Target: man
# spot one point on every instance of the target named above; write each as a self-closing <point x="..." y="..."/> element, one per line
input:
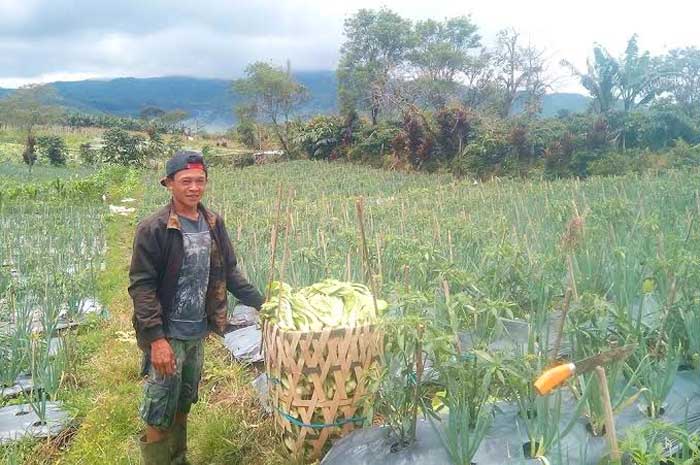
<point x="182" y="264"/>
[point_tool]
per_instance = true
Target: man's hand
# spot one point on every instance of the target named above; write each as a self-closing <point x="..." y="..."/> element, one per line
<point x="163" y="357"/>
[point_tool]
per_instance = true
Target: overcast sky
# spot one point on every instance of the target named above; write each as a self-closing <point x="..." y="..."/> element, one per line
<point x="48" y="40"/>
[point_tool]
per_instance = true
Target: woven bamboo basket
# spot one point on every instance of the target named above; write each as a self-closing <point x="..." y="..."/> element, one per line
<point x="309" y="375"/>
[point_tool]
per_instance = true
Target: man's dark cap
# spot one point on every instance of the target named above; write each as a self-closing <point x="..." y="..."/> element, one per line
<point x="183" y="160"/>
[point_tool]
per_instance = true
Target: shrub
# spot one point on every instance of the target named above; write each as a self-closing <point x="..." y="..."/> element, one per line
<point x="373" y="143"/>
<point x="53" y="148"/>
<point x="487" y="155"/>
<point x="320" y="137"/>
<point x="611" y="164"/>
<point x="683" y="155"/>
<point x="558" y="157"/>
<point x="455" y="126"/>
<point x="29" y="153"/>
<point x="414" y="141"/>
<point x="88" y="155"/>
<point x="122" y="148"/>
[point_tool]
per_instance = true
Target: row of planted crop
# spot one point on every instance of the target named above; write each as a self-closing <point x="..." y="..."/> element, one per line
<point x="50" y="257"/>
<point x="623" y="252"/>
<point x="608" y="234"/>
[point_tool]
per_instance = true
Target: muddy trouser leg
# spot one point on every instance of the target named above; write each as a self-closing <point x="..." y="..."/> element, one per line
<point x="191" y="375"/>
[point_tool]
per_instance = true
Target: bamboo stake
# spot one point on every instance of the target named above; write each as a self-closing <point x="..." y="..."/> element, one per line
<point x="348" y="274"/>
<point x="572" y="279"/>
<point x="449" y="244"/>
<point x="560" y="327"/>
<point x="285" y="251"/>
<point x="365" y="252"/>
<point x="446" y="290"/>
<point x="273" y="242"/>
<point x="322" y="238"/>
<point x="419" y="374"/>
<point x="255" y="246"/>
<point x="379" y="255"/>
<point x="609" y="417"/>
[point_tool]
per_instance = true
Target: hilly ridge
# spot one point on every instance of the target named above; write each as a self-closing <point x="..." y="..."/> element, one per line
<point x="211" y="101"/>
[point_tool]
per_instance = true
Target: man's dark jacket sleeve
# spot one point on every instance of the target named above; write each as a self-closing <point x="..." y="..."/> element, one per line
<point x="143" y="277"/>
<point x="236" y="283"/>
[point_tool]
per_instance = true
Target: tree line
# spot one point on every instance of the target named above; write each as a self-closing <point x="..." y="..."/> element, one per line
<point x="428" y="94"/>
<point x="33" y="106"/>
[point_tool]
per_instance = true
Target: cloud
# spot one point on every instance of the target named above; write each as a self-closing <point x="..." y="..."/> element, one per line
<point x="217" y="38"/>
<point x="213" y="38"/>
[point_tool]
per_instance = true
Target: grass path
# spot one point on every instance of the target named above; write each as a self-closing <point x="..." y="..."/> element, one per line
<point x="226" y="427"/>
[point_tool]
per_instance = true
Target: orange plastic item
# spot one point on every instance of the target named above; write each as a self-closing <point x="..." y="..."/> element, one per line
<point x="554" y="377"/>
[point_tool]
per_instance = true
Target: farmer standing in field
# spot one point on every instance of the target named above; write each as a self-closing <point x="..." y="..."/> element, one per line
<point x="182" y="265"/>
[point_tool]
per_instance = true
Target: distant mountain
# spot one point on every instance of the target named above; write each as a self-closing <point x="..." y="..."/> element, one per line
<point x="555" y="103"/>
<point x="211" y="101"/>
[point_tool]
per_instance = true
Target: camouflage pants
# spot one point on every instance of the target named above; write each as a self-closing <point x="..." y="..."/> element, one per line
<point x="163" y="396"/>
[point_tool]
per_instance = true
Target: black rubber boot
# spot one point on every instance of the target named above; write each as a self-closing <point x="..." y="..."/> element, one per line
<point x="155" y="453"/>
<point x="178" y="445"/>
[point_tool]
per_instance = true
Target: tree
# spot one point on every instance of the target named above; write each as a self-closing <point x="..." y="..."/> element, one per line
<point x="479" y="80"/>
<point x="376" y="46"/>
<point x="537" y="82"/>
<point x="441" y="54"/>
<point x="88" y="155"/>
<point x="122" y="148"/>
<point x="173" y="117"/>
<point x="53" y="148"/>
<point x="29" y="153"/>
<point x="30" y="106"/>
<point x="638" y="77"/>
<point x="273" y="94"/>
<point x="27" y="107"/>
<point x="599" y="79"/>
<point x="248" y="131"/>
<point x="520" y="72"/>
<point x="634" y="79"/>
<point x="151" y="113"/>
<point x="682" y="79"/>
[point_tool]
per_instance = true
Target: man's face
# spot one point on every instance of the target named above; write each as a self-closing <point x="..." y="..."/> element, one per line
<point x="187" y="186"/>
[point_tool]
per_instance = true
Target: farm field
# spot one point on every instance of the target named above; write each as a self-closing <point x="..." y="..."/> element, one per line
<point x="450" y="256"/>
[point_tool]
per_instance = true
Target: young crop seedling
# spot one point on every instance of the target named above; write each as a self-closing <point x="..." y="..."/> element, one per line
<point x="655" y="374"/>
<point x="469" y="415"/>
<point x="623" y="394"/>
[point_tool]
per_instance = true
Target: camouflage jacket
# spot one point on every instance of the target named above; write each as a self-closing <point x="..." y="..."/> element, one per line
<point x="155" y="263"/>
